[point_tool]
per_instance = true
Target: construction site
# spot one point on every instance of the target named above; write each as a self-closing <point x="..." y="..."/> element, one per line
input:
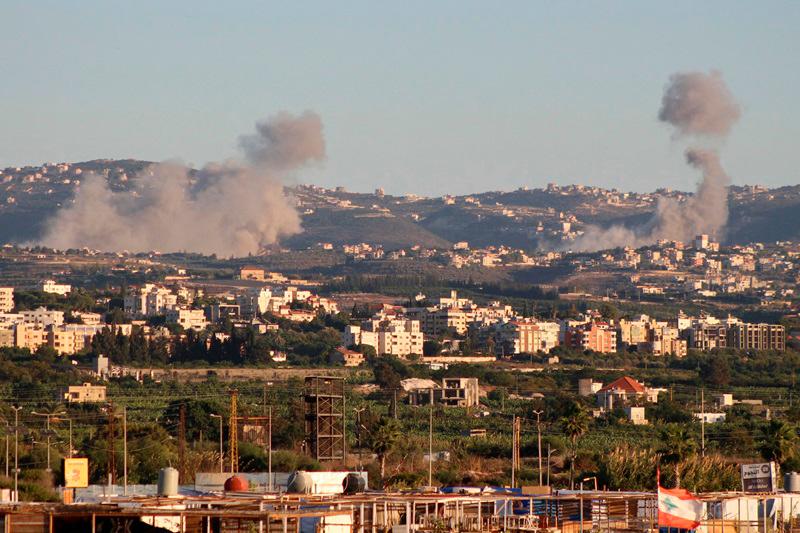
<point x="461" y="510"/>
<point x="338" y="498"/>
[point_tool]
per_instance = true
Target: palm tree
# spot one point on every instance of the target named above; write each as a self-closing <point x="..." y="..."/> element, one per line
<point x="780" y="441"/>
<point x="678" y="444"/>
<point x="383" y="438"/>
<point x="575" y="425"/>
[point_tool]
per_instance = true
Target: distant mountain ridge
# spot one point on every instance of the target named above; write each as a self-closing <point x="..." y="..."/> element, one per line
<point x="524" y="218"/>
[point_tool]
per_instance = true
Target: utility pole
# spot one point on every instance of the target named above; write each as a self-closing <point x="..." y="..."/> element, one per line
<point x="48" y="416"/>
<point x="430" y="444"/>
<point x="182" y="442"/>
<point x="269" y="455"/>
<point x="8" y="437"/>
<point x="539" y="435"/>
<point x="702" y="423"/>
<point x="16" y="409"/>
<point x="221" y="453"/>
<point x="125" y="450"/>
<point x="111" y="462"/>
<point x="233" y="428"/>
<point x="515" y="459"/>
<point x="69" y="420"/>
<point x="268" y="413"/>
<point x="358" y="435"/>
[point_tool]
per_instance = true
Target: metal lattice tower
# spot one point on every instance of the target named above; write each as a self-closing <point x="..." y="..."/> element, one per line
<point x="233" y="444"/>
<point x="324" y="417"/>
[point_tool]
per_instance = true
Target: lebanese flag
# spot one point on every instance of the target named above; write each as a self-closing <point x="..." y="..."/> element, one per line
<point x="679" y="509"/>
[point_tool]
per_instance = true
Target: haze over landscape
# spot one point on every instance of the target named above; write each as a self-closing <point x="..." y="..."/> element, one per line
<point x="450" y="266"/>
<point x="425" y="98"/>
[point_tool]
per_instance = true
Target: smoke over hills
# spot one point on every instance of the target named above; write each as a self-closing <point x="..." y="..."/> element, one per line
<point x="233" y="207"/>
<point x="700" y="107"/>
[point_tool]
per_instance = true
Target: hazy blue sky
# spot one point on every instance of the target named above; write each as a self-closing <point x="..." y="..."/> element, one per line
<point x="427" y="97"/>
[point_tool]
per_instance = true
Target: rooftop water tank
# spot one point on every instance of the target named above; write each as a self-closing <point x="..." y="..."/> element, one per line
<point x="791" y="482"/>
<point x="300" y="482"/>
<point x="236" y="484"/>
<point x="168" y="482"/>
<point x="353" y="483"/>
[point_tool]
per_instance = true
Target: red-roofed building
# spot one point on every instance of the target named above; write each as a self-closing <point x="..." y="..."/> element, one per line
<point x="624" y="390"/>
<point x="346" y="357"/>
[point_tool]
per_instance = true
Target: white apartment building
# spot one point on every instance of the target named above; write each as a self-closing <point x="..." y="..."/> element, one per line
<point x="389" y="335"/>
<point x="254" y="301"/>
<point x="188" y="318"/>
<point x="43" y="317"/>
<point x="6" y="299"/>
<point x="50" y="286"/>
<point x="150" y="300"/>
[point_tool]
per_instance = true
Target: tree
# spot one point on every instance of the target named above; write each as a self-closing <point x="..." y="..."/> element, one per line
<point x="716" y="371"/>
<point x="382" y="439"/>
<point x="389" y="371"/>
<point x="575" y="425"/>
<point x="431" y="347"/>
<point x="671" y="412"/>
<point x="678" y="444"/>
<point x="609" y="311"/>
<point x="780" y="442"/>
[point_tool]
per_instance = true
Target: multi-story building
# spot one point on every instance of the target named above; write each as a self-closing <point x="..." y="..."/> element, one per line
<point x="188" y="318"/>
<point x="6" y="299"/>
<point x="220" y="311"/>
<point x="527" y="336"/>
<point x="446" y="320"/>
<point x="635" y="331"/>
<point x="757" y="337"/>
<point x="43" y="317"/>
<point x="254" y="301"/>
<point x="666" y="340"/>
<point x="598" y="337"/>
<point x="150" y="300"/>
<point x="707" y="337"/>
<point x="388" y="334"/>
<point x="454" y="392"/>
<point x="6" y="335"/>
<point x="454" y="316"/>
<point x="65" y="342"/>
<point x="29" y="336"/>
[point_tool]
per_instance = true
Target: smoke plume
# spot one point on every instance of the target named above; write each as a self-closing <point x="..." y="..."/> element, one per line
<point x="699" y="104"/>
<point x="231" y="208"/>
<point x="700" y="107"/>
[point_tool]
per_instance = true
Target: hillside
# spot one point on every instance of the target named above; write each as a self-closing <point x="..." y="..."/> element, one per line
<point x="525" y="218"/>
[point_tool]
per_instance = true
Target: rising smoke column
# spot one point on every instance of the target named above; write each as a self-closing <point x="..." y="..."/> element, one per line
<point x="702" y="109"/>
<point x="231" y="208"/>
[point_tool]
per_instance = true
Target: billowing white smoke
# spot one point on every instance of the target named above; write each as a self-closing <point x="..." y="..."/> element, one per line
<point x="701" y="107"/>
<point x="231" y="208"/>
